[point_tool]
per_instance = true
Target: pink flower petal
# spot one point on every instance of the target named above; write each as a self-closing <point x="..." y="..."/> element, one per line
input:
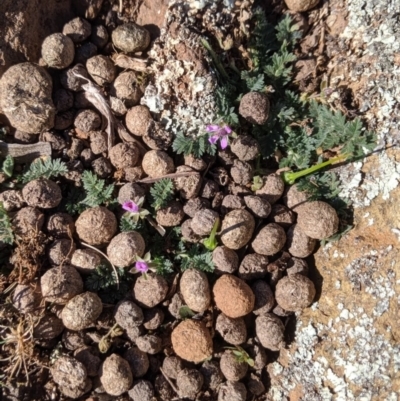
<point x="213" y="139"/>
<point x="228" y="129"/>
<point x="212" y="128"/>
<point x="130" y="206"/>
<point x="224" y="142"/>
<point x="141" y="267"/>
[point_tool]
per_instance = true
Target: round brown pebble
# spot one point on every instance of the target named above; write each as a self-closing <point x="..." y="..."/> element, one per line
<point x="195" y="290"/>
<point x="293" y="197"/>
<point x="150" y="290"/>
<point x="273" y="188"/>
<point x="142" y="390"/>
<point x="96" y="226"/>
<point x="191" y="341"/>
<point x="254" y="107"/>
<point x="299" y="244"/>
<point x="172" y="365"/>
<point x="317" y="219"/>
<point x="270" y="240"/>
<point x="42" y="193"/>
<point x="231" y="367"/>
<point x="203" y="221"/>
<point x="171" y="215"/>
<point x="87" y="120"/>
<point x="212" y="374"/>
<point x="60" y="251"/>
<point x="26" y="297"/>
<point x="295" y="292"/>
<point x="115" y="375"/>
<point x="188" y="186"/>
<point x="70" y="375"/>
<point x="85" y="260"/>
<point x="270" y="331"/>
<point x="264" y="297"/>
<point x="253" y="266"/>
<point x="58" y="51"/>
<point x="245" y="147"/>
<point x="99" y="36"/>
<point x="125" y="247"/>
<point x="82" y="311"/>
<point x="127" y="314"/>
<point x="258" y="205"/>
<point x="189" y="383"/>
<point x="138" y="361"/>
<point x="126" y="88"/>
<point x="60" y="284"/>
<point x="241" y="172"/>
<point x="233" y="331"/>
<point x="281" y="215"/>
<point x="232" y="391"/>
<point x="11" y="200"/>
<point x="300" y="6"/>
<point x="153" y="318"/>
<point x="130" y="192"/>
<point x="124" y="155"/>
<point x="137" y="120"/>
<point x="26" y="98"/>
<point x="101" y="69"/>
<point x="237" y="229"/>
<point x="130" y="38"/>
<point x="233" y="296"/>
<point x="149" y="343"/>
<point x="225" y="260"/>
<point x="157" y="163"/>
<point x="27" y="220"/>
<point x="77" y="29"/>
<point x="60" y="225"/>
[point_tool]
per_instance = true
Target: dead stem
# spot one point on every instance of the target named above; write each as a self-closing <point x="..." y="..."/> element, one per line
<point x="173" y="175"/>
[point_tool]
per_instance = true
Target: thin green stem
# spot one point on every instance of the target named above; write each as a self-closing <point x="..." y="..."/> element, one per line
<point x="211" y="243"/>
<point x="290" y="177"/>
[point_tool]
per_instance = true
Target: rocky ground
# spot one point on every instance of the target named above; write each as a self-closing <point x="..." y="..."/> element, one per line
<point x="345" y="347"/>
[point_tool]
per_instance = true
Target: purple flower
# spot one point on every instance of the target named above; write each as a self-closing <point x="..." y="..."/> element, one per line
<point x="141" y="266"/>
<point x="130" y="206"/>
<point x="219" y="134"/>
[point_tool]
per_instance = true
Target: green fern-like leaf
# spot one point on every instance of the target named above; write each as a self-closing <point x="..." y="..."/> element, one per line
<point x="97" y="192"/>
<point x="164" y="266"/>
<point x="196" y="146"/>
<point x="6" y="231"/>
<point x="8" y="166"/>
<point x="253" y="83"/>
<point x="196" y="258"/>
<point x="128" y="224"/>
<point x="46" y="169"/>
<point x="162" y="193"/>
<point x="104" y="282"/>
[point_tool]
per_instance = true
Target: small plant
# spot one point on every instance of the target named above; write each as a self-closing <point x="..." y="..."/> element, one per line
<point x="162" y="193"/>
<point x="6" y="231"/>
<point x="97" y="192"/>
<point x="159" y="265"/>
<point x="185" y="312"/>
<point x="211" y="242"/>
<point x="134" y="211"/>
<point x="195" y="258"/>
<point x="19" y="343"/>
<point x="46" y="169"/>
<point x="241" y="355"/>
<point x="257" y="183"/>
<point x="219" y="134"/>
<point x="8" y="166"/>
<point x="110" y="287"/>
<point x="193" y="145"/>
<point x="106" y="341"/>
<point x="127" y="224"/>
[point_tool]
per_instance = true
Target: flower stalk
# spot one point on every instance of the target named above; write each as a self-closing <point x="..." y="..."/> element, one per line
<point x="290" y="177"/>
<point x="211" y="242"/>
